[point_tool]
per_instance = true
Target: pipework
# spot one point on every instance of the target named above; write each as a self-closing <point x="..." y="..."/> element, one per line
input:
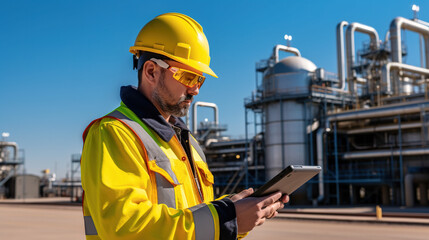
<point x="340" y="54"/>
<point x="350" y="45"/>
<point x="279" y="47"/>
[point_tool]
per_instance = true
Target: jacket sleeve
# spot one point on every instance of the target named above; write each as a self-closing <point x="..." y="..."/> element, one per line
<point x="119" y="194"/>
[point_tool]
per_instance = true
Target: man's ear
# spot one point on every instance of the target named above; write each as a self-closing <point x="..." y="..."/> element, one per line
<point x="150" y="72"/>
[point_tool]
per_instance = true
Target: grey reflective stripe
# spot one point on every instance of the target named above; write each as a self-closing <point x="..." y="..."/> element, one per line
<point x="89" y="226"/>
<point x="198" y="148"/>
<point x="204" y="222"/>
<point x="165" y="189"/>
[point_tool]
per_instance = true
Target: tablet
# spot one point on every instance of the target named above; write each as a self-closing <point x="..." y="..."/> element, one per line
<point x="288" y="180"/>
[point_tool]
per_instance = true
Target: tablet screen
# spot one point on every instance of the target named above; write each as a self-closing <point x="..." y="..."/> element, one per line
<point x="288" y="180"/>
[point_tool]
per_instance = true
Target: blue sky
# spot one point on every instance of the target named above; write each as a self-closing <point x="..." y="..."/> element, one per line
<point x="62" y="62"/>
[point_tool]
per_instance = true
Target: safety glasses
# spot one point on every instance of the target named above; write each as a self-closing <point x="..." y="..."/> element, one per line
<point x="185" y="77"/>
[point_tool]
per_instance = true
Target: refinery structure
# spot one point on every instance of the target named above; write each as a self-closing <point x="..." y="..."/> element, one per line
<point x="16" y="183"/>
<point x="10" y="166"/>
<point x="367" y="125"/>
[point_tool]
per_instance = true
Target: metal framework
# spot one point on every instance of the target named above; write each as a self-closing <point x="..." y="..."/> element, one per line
<point x="75" y="168"/>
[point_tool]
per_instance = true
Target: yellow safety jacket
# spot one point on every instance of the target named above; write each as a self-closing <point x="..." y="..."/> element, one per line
<point x="138" y="186"/>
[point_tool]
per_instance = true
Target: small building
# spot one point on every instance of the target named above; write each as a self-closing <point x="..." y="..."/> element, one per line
<point x="23" y="186"/>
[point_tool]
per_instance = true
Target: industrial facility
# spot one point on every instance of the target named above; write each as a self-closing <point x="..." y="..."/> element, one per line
<point x="15" y="183"/>
<point x="367" y="126"/>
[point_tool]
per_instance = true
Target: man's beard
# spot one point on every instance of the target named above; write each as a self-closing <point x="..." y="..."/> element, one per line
<point x="172" y="109"/>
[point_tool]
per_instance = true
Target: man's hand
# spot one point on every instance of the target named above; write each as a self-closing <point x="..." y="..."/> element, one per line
<point x="252" y="211"/>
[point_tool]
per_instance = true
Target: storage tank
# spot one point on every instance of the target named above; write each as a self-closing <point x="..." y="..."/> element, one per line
<point x="285" y="85"/>
<point x="23" y="186"/>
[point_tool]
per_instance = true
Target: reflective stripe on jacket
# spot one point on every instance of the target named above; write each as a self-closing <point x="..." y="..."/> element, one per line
<point x="138" y="186"/>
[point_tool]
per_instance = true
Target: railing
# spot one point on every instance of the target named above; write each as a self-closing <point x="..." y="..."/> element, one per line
<point x="330" y="91"/>
<point x="211" y="125"/>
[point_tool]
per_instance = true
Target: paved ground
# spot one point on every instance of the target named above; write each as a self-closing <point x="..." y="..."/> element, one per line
<point x="39" y="222"/>
<point x="277" y="229"/>
<point x="59" y="220"/>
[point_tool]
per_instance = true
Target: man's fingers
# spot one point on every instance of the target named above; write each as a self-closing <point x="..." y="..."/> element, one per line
<point x="272" y="209"/>
<point x="272" y="215"/>
<point x="285" y="199"/>
<point x="269" y="211"/>
<point x="270" y="199"/>
<point x="260" y="221"/>
<point x="254" y="211"/>
<point x="243" y="194"/>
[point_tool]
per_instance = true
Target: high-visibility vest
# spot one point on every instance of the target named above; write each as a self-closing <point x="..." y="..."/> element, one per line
<point x="168" y="186"/>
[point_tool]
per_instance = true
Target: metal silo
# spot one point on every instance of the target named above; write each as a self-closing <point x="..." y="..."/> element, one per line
<point x="284" y="84"/>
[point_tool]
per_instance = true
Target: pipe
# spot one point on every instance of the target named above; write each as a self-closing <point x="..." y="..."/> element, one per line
<point x="421" y="22"/>
<point x="350" y="47"/>
<point x="386" y="37"/>
<point x="358" y="147"/>
<point x="319" y="142"/>
<point x="210" y="141"/>
<point x="194" y="114"/>
<point x="396" y="26"/>
<point x="15" y="147"/>
<point x="386" y="153"/>
<point x="312" y="127"/>
<point x="390" y="127"/>
<point x="409" y="180"/>
<point x="340" y="54"/>
<point x="385" y="111"/>
<point x="279" y="47"/>
<point x="385" y="74"/>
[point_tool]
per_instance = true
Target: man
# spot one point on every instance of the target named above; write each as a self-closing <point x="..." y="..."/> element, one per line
<point x="143" y="173"/>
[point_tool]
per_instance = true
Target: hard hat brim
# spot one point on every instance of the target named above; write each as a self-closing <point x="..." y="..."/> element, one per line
<point x="189" y="62"/>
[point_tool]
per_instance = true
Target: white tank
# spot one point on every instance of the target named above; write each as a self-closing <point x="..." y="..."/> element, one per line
<point x="287" y="84"/>
<point x="289" y="75"/>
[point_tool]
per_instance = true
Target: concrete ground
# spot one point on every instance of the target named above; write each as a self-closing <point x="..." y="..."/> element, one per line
<point x="58" y="219"/>
<point x="280" y="229"/>
<point x="40" y="222"/>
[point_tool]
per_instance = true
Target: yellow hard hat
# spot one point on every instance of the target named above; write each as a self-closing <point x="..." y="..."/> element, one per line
<point x="178" y="37"/>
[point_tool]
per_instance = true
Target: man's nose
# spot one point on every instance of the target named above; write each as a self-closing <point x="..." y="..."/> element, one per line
<point x="193" y="90"/>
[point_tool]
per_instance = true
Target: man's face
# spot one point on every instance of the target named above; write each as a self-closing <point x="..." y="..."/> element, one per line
<point x="172" y="97"/>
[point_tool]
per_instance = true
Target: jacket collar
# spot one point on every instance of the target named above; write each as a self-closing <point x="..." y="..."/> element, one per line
<point x="147" y="112"/>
